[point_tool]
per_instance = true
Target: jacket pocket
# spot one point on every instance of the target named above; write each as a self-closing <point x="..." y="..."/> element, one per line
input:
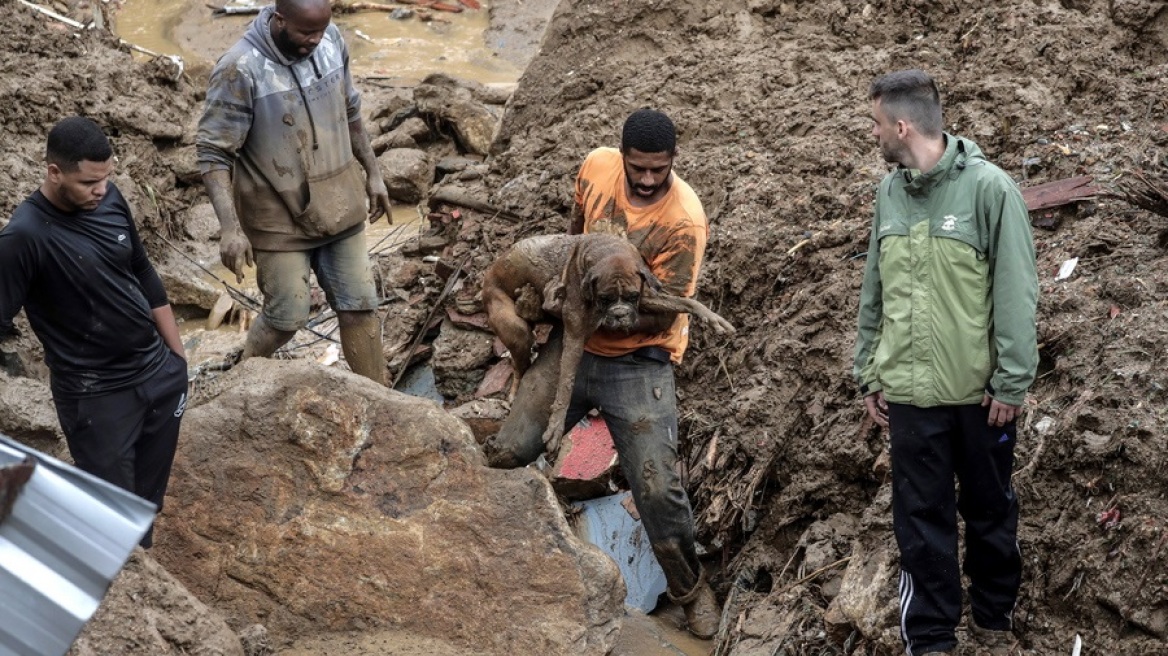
<point x="336" y="202"/>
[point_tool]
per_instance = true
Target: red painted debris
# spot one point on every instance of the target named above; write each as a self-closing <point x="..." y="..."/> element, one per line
<point x="1108" y="519"/>
<point x="469" y="321"/>
<point x="591" y="453"/>
<point x="496" y="379"/>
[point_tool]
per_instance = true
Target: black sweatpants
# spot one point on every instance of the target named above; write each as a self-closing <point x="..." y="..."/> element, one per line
<point x="929" y="447"/>
<point x="129" y="437"/>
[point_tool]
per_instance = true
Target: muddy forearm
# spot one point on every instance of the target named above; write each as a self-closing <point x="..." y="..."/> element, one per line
<point x="576" y="220"/>
<point x="218" y="184"/>
<point x="362" y="148"/>
<point x="168" y="329"/>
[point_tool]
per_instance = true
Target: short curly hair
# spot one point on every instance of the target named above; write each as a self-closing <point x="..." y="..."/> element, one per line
<point x="649" y="131"/>
<point x="76" y="139"/>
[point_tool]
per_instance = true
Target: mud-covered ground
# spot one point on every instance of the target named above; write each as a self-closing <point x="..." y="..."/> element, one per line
<point x="770" y="100"/>
<point x="769" y="96"/>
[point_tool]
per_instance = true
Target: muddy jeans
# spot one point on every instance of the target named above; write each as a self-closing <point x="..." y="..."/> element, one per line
<point x="636" y="397"/>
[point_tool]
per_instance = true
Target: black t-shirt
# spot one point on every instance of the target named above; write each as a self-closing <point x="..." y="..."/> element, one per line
<point x="88" y="288"/>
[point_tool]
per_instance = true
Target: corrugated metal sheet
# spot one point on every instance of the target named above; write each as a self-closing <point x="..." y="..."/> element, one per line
<point x="606" y="523"/>
<point x="68" y="535"/>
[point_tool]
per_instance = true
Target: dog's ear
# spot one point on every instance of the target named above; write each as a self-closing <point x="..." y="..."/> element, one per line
<point x="588" y="286"/>
<point x="648" y="279"/>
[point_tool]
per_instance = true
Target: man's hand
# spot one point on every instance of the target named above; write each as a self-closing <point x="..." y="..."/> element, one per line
<point x="1000" y="413"/>
<point x="877" y="408"/>
<point x="234" y="252"/>
<point x="378" y="199"/>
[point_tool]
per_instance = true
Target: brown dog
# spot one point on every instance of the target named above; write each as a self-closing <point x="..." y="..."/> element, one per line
<point x="590" y="281"/>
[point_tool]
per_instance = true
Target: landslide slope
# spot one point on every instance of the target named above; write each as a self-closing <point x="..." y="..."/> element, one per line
<point x="770" y="100"/>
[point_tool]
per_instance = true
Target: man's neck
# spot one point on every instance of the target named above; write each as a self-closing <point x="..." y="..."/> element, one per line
<point x="925" y="155"/>
<point x="50" y="195"/>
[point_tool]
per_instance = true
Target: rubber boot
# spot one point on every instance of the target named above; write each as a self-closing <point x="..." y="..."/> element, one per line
<point x="263" y="340"/>
<point x="361" y="344"/>
<point x="702" y="612"/>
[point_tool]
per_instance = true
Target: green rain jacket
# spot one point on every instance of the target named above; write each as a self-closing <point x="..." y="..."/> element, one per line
<point x="947" y="308"/>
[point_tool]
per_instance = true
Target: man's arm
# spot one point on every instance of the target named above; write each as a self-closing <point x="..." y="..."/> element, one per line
<point x="152" y="289"/>
<point x="870" y="321"/>
<point x="168" y="329"/>
<point x="374" y="183"/>
<point x="234" y="248"/>
<point x="1015" y="292"/>
<point x="223" y="129"/>
<point x="576" y="220"/>
<point x="17" y="264"/>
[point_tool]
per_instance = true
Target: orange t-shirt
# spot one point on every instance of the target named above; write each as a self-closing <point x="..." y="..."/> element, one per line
<point x="670" y="235"/>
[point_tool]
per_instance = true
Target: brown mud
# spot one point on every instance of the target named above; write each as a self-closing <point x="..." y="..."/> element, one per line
<point x="769" y="96"/>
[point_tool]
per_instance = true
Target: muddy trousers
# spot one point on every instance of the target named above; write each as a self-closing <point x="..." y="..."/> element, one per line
<point x="930" y="446"/>
<point x="129" y="437"/>
<point x="636" y="397"/>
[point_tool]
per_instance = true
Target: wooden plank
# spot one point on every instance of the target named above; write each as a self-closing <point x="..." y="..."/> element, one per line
<point x="1059" y="192"/>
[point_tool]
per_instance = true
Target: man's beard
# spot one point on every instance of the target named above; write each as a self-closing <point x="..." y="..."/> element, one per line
<point x="286" y="46"/>
<point x="643" y="191"/>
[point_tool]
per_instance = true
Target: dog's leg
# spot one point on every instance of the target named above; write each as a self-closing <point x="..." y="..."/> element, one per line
<point x="574" y="338"/>
<point x="669" y="303"/>
<point x="512" y="330"/>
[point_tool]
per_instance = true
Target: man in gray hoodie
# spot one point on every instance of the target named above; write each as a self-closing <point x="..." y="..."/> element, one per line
<point x="289" y="167"/>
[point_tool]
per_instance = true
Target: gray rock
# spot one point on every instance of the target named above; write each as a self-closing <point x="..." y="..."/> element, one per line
<point x="408" y="173"/>
<point x="473" y="123"/>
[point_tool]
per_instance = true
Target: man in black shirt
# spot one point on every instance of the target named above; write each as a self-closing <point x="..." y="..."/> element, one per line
<point x="72" y="259"/>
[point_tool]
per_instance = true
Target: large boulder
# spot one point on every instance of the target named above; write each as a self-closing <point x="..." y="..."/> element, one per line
<point x="148" y="612"/>
<point x="451" y="102"/>
<point x="408" y="173"/>
<point x="311" y="500"/>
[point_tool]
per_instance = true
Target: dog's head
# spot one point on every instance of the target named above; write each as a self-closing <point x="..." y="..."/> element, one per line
<point x="613" y="288"/>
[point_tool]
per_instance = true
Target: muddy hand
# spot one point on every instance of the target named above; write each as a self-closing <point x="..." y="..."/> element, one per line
<point x="378" y="200"/>
<point x="235" y="251"/>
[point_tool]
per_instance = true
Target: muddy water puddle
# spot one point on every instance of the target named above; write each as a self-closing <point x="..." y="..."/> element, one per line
<point x="403" y="50"/>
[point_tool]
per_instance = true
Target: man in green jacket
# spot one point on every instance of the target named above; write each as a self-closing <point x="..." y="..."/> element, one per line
<point x="946" y="351"/>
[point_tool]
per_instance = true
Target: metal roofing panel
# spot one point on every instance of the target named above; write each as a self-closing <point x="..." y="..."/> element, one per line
<point x="68" y="535"/>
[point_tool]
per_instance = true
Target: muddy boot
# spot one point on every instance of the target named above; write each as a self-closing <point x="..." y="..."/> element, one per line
<point x="990" y="642"/>
<point x="702" y="612"/>
<point x="361" y="344"/>
<point x="263" y="340"/>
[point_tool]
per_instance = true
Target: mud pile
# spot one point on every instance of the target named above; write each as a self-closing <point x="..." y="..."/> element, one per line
<point x="770" y="100"/>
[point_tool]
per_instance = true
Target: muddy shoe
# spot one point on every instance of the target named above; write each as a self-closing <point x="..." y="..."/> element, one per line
<point x="991" y="642"/>
<point x="702" y="613"/>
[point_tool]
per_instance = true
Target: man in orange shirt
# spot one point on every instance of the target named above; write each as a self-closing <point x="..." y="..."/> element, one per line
<point x="628" y="377"/>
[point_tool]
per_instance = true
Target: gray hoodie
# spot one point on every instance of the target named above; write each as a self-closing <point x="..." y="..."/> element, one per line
<point x="282" y="126"/>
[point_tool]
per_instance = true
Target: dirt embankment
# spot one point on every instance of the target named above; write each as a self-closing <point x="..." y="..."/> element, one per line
<point x="769" y="97"/>
<point x="770" y="100"/>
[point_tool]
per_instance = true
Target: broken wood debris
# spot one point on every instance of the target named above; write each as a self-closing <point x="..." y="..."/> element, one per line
<point x="1141" y="190"/>
<point x="1060" y="192"/>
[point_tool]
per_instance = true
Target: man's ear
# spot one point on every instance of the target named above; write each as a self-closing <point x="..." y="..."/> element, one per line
<point x="902" y="129"/>
<point x="55" y="173"/>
